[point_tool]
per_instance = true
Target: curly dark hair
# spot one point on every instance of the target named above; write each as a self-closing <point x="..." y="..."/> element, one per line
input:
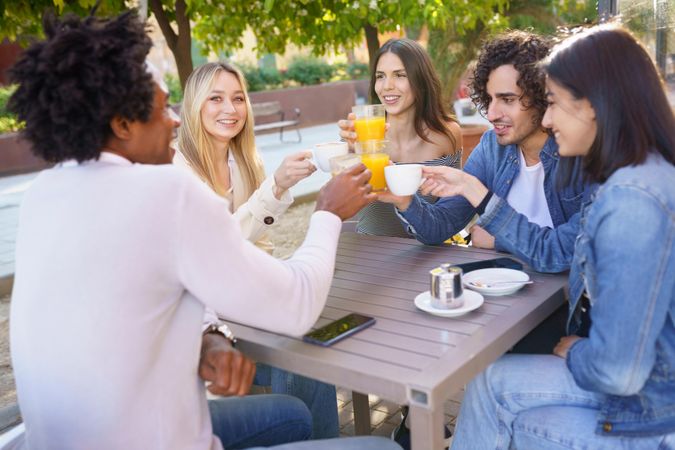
<point x="73" y="83"/>
<point x="523" y="50"/>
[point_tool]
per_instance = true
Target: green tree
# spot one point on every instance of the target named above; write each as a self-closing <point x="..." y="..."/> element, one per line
<point x="20" y="20"/>
<point x="322" y="25"/>
<point x="452" y="49"/>
<point x="325" y="25"/>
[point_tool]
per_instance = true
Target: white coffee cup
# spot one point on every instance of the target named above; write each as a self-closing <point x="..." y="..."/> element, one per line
<point x="403" y="179"/>
<point x="324" y="152"/>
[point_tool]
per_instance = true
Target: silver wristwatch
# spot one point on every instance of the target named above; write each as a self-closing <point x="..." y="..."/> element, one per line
<point x="222" y="329"/>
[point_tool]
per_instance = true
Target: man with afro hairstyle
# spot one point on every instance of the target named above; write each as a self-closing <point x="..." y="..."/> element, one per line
<point x="118" y="254"/>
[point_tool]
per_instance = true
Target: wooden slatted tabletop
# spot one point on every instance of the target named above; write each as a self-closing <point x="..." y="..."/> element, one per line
<point x="408" y="356"/>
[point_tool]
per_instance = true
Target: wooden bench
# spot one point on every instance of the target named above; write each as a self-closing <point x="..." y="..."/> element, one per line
<point x="266" y="109"/>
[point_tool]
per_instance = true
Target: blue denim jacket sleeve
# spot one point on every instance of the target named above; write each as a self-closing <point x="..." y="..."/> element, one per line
<point x="628" y="265"/>
<point x="435" y="223"/>
<point x="543" y="248"/>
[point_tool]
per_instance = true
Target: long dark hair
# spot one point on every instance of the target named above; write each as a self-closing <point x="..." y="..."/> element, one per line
<point x="424" y="84"/>
<point x="610" y="68"/>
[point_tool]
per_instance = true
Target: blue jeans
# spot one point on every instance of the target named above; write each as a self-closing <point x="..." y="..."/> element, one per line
<point x="532" y="401"/>
<point x="319" y="397"/>
<point x="352" y="443"/>
<point x="259" y="420"/>
<point x="266" y="420"/>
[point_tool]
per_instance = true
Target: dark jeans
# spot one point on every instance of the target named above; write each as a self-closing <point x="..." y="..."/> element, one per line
<point x="259" y="420"/>
<point x="319" y="397"/>
<point x="545" y="336"/>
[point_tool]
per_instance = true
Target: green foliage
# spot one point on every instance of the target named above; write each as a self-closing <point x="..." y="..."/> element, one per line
<point x="8" y="121"/>
<point x="350" y="71"/>
<point x="308" y="70"/>
<point x="302" y="71"/>
<point x="271" y="77"/>
<point x="20" y="20"/>
<point x="358" y="71"/>
<point x="325" y="25"/>
<point x="261" y="78"/>
<point x="175" y="90"/>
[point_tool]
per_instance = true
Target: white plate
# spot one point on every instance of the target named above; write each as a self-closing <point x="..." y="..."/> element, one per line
<point x="487" y="276"/>
<point x="472" y="300"/>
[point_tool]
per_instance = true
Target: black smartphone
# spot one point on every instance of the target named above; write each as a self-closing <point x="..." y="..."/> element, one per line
<point x="506" y="263"/>
<point x="338" y="329"/>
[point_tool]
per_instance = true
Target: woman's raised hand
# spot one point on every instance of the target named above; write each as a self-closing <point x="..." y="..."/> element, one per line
<point x="294" y="168"/>
<point x="347" y="130"/>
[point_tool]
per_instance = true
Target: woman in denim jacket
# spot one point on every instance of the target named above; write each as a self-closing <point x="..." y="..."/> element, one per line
<point x="611" y="383"/>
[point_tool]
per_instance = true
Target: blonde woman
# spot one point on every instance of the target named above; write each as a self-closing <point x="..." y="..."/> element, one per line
<point x="216" y="142"/>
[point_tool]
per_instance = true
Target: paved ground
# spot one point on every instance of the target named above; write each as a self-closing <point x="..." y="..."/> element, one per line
<point x="287" y="235"/>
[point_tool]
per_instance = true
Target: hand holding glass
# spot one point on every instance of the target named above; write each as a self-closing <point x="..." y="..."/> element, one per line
<point x="370" y="122"/>
<point x="375" y="157"/>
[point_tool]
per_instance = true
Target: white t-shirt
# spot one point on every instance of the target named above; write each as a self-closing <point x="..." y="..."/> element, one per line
<point x="527" y="196"/>
<point x="115" y="263"/>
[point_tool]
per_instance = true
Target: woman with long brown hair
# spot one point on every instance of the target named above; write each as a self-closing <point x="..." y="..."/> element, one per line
<point x="420" y="130"/>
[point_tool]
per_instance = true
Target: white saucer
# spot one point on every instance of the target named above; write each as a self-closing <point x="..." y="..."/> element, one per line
<point x="487" y="276"/>
<point x="472" y="300"/>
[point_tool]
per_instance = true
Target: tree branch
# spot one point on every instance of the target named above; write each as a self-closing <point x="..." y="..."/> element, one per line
<point x="164" y="24"/>
<point x="182" y="18"/>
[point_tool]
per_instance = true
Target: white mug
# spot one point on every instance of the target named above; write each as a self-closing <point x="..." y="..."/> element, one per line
<point x="403" y="179"/>
<point x="324" y="152"/>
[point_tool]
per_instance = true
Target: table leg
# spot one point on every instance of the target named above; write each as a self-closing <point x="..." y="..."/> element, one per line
<point x="361" y="414"/>
<point x="426" y="427"/>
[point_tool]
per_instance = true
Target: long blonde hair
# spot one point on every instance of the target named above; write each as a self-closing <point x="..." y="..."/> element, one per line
<point x="195" y="143"/>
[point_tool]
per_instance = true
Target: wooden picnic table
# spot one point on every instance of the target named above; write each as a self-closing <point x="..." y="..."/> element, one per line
<point x="408" y="356"/>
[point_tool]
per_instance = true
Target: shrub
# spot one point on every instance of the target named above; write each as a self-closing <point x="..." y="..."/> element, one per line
<point x="308" y="70"/>
<point x="358" y="70"/>
<point x="271" y="77"/>
<point x="175" y="90"/>
<point x="8" y="121"/>
<point x="260" y="79"/>
<point x="254" y="81"/>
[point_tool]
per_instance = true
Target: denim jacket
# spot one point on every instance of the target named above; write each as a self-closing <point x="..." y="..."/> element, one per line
<point x="625" y="261"/>
<point x="496" y="166"/>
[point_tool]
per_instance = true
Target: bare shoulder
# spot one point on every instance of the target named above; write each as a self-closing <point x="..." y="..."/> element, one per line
<point x="442" y="145"/>
<point x="456" y="131"/>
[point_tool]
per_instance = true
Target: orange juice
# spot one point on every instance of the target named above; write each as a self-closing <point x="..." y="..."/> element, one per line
<point x="368" y="128"/>
<point x="376" y="162"/>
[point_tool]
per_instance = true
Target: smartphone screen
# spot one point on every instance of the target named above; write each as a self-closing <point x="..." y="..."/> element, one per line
<point x="506" y="263"/>
<point x="338" y="329"/>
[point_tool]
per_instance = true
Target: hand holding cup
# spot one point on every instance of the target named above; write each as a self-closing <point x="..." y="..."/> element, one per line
<point x="346" y="193"/>
<point x="294" y="168"/>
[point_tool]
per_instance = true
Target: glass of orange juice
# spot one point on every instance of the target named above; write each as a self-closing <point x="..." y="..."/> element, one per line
<point x="375" y="156"/>
<point x="369" y="123"/>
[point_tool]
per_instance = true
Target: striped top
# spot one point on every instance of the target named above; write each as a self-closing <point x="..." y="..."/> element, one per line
<point x="380" y="219"/>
